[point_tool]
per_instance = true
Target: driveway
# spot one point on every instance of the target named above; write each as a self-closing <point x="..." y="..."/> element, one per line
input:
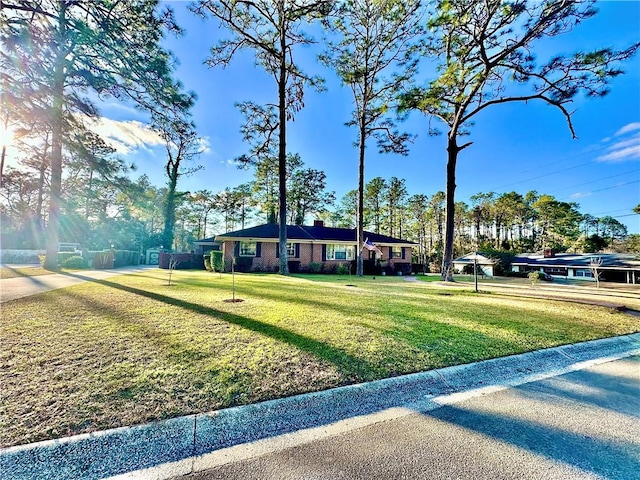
<point x="13" y="288"/>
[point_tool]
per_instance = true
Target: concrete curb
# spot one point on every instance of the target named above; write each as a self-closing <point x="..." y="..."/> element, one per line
<point x="196" y="442"/>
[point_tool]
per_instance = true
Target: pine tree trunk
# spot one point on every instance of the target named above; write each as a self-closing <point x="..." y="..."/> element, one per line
<point x="360" y="207"/>
<point x="53" y="224"/>
<point x="447" y="257"/>
<point x="282" y="151"/>
<point x="170" y="213"/>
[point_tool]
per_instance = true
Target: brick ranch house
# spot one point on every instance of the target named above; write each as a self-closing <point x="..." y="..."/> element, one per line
<point x="256" y="248"/>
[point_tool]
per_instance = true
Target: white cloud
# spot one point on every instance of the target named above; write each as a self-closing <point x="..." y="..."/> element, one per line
<point x="205" y="144"/>
<point x="628" y="128"/>
<point x="125" y="136"/>
<point x="626" y="148"/>
<point x="628" y="142"/>
<point x="580" y="195"/>
<point x="619" y="155"/>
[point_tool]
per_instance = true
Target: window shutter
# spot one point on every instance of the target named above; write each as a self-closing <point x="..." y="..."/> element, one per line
<point x="390" y="252"/>
<point x="236" y="248"/>
<point x="277" y="244"/>
<point x="258" y="249"/>
<point x="402" y="249"/>
<point x="324" y="252"/>
<point x="297" y="250"/>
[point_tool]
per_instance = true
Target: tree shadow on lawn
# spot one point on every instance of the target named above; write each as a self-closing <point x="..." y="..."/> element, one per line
<point x="171" y="348"/>
<point x="455" y="343"/>
<point x="411" y="329"/>
<point x="352" y="368"/>
<point x="17" y="272"/>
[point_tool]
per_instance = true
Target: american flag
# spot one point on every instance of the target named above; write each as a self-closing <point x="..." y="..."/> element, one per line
<point x="371" y="247"/>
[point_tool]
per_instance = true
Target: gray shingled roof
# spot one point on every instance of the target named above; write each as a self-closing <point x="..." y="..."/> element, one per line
<point x="303" y="232"/>
<point x="579" y="260"/>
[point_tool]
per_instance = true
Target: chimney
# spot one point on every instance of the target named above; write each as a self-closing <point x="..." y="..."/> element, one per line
<point x="318" y="223"/>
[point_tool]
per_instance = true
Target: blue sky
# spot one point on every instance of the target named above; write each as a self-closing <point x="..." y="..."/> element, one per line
<point x="516" y="146"/>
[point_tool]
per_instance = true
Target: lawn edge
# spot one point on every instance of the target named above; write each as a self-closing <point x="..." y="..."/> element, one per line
<point x="193" y="443"/>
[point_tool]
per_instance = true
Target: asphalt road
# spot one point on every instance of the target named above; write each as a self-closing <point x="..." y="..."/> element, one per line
<point x="581" y="425"/>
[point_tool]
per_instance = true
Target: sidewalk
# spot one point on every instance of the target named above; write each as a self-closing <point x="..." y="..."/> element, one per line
<point x="195" y="443"/>
<point x="14" y="288"/>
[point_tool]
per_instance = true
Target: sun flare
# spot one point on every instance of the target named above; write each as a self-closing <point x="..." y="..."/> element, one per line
<point x="6" y="136"/>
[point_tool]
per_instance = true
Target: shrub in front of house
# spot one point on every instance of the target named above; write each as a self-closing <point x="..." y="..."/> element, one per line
<point x="207" y="263"/>
<point x="342" y="269"/>
<point x="217" y="261"/>
<point x="64" y="256"/>
<point x="75" y="261"/>
<point x="315" y="267"/>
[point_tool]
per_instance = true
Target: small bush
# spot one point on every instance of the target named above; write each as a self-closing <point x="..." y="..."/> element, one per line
<point x="315" y="267"/>
<point x="435" y="267"/>
<point x="75" y="261"/>
<point x="217" y="261"/>
<point x="534" y="277"/>
<point x="342" y="269"/>
<point x="207" y="263"/>
<point x="64" y="256"/>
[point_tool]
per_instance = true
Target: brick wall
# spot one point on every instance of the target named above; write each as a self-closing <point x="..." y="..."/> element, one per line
<point x="308" y="252"/>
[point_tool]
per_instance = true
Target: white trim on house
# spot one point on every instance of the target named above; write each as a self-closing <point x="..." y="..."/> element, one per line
<point x="576" y="266"/>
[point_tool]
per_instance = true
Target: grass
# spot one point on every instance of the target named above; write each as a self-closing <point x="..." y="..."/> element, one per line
<point x="13" y="272"/>
<point x="132" y="349"/>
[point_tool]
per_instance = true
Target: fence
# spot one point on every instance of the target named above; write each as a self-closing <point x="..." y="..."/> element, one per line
<point x="186" y="261"/>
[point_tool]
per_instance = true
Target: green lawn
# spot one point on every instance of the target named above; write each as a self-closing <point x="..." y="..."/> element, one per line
<point x="13" y="272"/>
<point x="132" y="349"/>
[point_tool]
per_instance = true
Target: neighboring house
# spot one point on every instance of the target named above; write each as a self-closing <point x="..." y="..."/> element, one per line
<point x="486" y="265"/>
<point x="622" y="268"/>
<point x="256" y="248"/>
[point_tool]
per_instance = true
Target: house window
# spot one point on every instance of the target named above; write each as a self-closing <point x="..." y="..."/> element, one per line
<point x="396" y="252"/>
<point x="584" y="273"/>
<point x="339" y="251"/>
<point x="291" y="249"/>
<point x="247" y="249"/>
